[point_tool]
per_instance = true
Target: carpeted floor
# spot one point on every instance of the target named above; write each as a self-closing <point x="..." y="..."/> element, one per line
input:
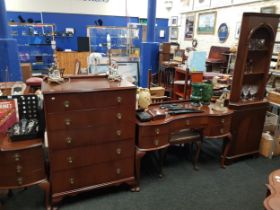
<point x="239" y="186"/>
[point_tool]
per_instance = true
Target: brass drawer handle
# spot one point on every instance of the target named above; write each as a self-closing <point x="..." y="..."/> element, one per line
<point x="68" y="140"/>
<point x="72" y="181"/>
<point x="156" y="142"/>
<point x="119" y="151"/>
<point x="67" y="122"/>
<point x="119" y="132"/>
<point x="18" y="169"/>
<point x="157" y="131"/>
<point x="118" y="171"/>
<point x="119" y="116"/>
<point x="66" y="104"/>
<point x="70" y="160"/>
<point x="17" y="156"/>
<point x="119" y="99"/>
<point x="223" y="120"/>
<point x="188" y="122"/>
<point x="53" y="98"/>
<point x="221" y="130"/>
<point x="20" y="180"/>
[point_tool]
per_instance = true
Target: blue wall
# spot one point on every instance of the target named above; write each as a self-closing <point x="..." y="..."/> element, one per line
<point x="80" y="22"/>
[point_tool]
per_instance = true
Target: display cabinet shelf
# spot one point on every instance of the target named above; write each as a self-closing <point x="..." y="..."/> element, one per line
<point x="34" y="44"/>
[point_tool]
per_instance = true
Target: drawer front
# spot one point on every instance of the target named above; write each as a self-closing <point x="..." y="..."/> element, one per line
<point x="92" y="175"/>
<point x="76" y="101"/>
<point x="87" y="118"/>
<point x="153" y="130"/>
<point x="22" y="157"/>
<point x="23" y="168"/>
<point x="149" y="142"/>
<point x="85" y="156"/>
<point x="72" y="138"/>
<point x="21" y="180"/>
<point x="213" y="131"/>
<point x="194" y="122"/>
<point x="219" y="120"/>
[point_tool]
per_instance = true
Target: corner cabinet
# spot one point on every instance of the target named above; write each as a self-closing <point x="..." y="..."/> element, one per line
<point x="250" y="75"/>
<point x="35" y="45"/>
<point x="90" y="127"/>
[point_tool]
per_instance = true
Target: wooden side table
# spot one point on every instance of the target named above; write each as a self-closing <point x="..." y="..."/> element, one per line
<point x="22" y="164"/>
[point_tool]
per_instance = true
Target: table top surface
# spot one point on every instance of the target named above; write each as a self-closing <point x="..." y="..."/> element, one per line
<point x="85" y="84"/>
<point x="7" y="145"/>
<point x="207" y="111"/>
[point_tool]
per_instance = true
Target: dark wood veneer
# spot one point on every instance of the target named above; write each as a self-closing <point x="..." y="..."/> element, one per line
<point x="90" y="125"/>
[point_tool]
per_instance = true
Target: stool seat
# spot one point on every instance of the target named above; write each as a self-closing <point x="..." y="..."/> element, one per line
<point x="184" y="136"/>
<point x="34" y="81"/>
<point x="215" y="60"/>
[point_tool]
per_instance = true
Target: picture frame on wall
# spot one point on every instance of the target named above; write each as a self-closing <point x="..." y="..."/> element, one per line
<point x="189" y="27"/>
<point x="173" y="33"/>
<point x="237" y="30"/>
<point x="269" y="10"/>
<point x="174" y="21"/>
<point x="206" y="23"/>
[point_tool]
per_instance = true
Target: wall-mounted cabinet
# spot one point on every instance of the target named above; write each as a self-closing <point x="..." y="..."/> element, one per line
<point x="35" y="44"/>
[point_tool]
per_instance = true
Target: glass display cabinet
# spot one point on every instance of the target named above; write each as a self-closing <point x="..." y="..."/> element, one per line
<point x="35" y="44"/>
<point x="122" y="41"/>
<point x="250" y="75"/>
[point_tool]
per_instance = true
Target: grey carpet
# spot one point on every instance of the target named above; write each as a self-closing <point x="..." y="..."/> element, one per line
<point x="239" y="186"/>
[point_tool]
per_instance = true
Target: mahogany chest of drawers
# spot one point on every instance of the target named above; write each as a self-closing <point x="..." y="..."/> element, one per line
<point x="90" y="127"/>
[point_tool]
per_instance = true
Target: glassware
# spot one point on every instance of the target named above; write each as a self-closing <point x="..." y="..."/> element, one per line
<point x="253" y="91"/>
<point x="245" y="92"/>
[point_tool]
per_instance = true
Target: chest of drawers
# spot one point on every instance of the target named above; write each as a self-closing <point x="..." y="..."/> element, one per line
<point x="90" y="127"/>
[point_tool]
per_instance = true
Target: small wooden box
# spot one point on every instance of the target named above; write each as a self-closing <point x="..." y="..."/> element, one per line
<point x="157" y="91"/>
<point x="274" y="97"/>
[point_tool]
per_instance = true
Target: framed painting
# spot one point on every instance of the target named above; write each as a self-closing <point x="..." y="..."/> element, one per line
<point x="173" y="33"/>
<point x="206" y="23"/>
<point x="174" y="21"/>
<point x="269" y="10"/>
<point x="237" y="30"/>
<point x="189" y="26"/>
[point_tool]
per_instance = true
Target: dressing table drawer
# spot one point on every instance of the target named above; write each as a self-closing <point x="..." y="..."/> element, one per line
<point x="150" y="142"/>
<point x="213" y="131"/>
<point x="219" y="120"/>
<point x="153" y="130"/>
<point x="195" y="122"/>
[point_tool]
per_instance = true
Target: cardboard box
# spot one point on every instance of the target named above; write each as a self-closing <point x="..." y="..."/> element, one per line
<point x="266" y="148"/>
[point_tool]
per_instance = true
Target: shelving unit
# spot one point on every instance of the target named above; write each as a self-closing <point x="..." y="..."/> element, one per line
<point x="250" y="75"/>
<point x="181" y="87"/>
<point x="35" y="45"/>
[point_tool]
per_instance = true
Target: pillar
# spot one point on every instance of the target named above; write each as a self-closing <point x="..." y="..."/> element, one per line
<point x="9" y="60"/>
<point x="149" y="49"/>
